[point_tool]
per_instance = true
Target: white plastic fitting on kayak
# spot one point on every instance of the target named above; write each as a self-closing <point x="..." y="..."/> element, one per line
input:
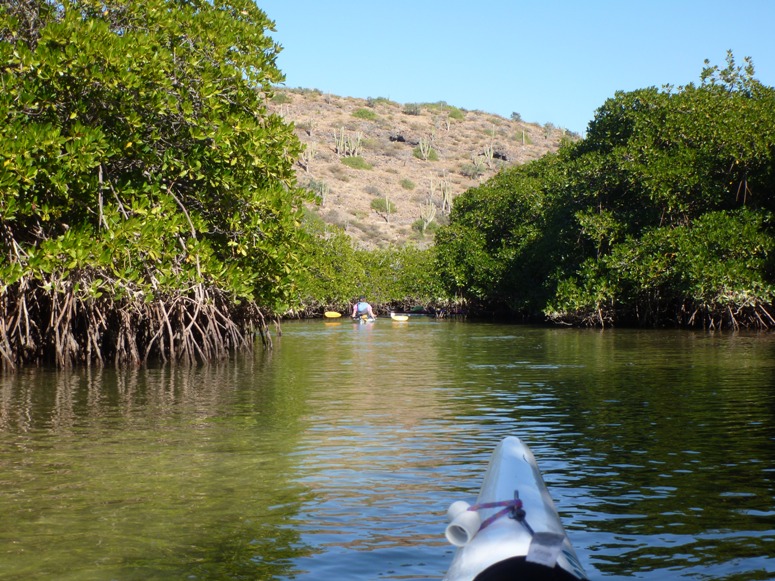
<point x="456" y="508"/>
<point x="464" y="523"/>
<point x="515" y="547"/>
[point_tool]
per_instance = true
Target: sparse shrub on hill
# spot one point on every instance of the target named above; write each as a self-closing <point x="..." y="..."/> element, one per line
<point x="473" y="170"/>
<point x="304" y="91"/>
<point x="339" y="172"/>
<point x="374" y="101"/>
<point x="370" y="231"/>
<point x="425" y="150"/>
<point x="307" y="126"/>
<point x="424" y="229"/>
<point x="427" y="215"/>
<point x="372" y="144"/>
<point x="367" y="114"/>
<point x="356" y="162"/>
<point x="384" y="207"/>
<point x="440" y="106"/>
<point x="524" y="138"/>
<point x="428" y="154"/>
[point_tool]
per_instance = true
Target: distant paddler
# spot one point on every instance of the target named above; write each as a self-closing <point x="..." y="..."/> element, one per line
<point x="362" y="308"/>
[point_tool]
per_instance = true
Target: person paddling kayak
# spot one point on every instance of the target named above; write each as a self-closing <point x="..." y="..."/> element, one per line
<point x="362" y="308"/>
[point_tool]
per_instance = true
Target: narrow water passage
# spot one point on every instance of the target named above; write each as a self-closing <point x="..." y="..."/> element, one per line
<point x="336" y="455"/>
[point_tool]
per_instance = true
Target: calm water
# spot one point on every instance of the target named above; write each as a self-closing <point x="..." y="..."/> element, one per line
<point x="335" y="456"/>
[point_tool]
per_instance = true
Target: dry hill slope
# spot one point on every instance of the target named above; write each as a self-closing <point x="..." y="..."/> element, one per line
<point x="389" y="169"/>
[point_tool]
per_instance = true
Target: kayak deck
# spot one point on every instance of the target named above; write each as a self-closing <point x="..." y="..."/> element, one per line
<point x="513" y="530"/>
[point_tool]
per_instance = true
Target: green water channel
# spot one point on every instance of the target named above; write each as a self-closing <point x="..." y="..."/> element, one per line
<point x="335" y="455"/>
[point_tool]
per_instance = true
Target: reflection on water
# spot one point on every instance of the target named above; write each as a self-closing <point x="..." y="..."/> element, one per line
<point x="144" y="475"/>
<point x="337" y="455"/>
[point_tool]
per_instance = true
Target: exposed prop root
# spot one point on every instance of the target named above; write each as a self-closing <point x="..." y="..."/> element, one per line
<point x="57" y="322"/>
<point x="750" y="315"/>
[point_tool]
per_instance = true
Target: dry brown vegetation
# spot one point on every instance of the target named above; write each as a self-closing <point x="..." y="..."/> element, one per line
<point x="386" y="143"/>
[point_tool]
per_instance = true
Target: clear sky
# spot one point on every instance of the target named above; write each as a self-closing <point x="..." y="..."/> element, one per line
<point x="551" y="61"/>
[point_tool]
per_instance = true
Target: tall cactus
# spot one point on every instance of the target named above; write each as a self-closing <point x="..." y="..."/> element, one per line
<point x="346" y="144"/>
<point x="427" y="214"/>
<point x="425" y="148"/>
<point x="306" y="157"/>
<point x="446" y="196"/>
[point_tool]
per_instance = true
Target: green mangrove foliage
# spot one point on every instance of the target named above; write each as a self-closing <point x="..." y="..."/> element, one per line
<point x="338" y="273"/>
<point x="663" y="214"/>
<point x="490" y="254"/>
<point x="147" y="197"/>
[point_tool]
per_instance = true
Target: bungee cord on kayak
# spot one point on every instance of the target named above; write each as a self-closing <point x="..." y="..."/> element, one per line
<point x="513" y="508"/>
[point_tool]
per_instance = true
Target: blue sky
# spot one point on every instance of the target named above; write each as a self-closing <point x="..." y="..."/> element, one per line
<point x="551" y="61"/>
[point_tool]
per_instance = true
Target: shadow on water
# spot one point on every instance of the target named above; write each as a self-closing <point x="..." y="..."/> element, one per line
<point x="336" y="455"/>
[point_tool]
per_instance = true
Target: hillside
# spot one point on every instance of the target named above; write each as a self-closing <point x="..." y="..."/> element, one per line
<point x="406" y="162"/>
